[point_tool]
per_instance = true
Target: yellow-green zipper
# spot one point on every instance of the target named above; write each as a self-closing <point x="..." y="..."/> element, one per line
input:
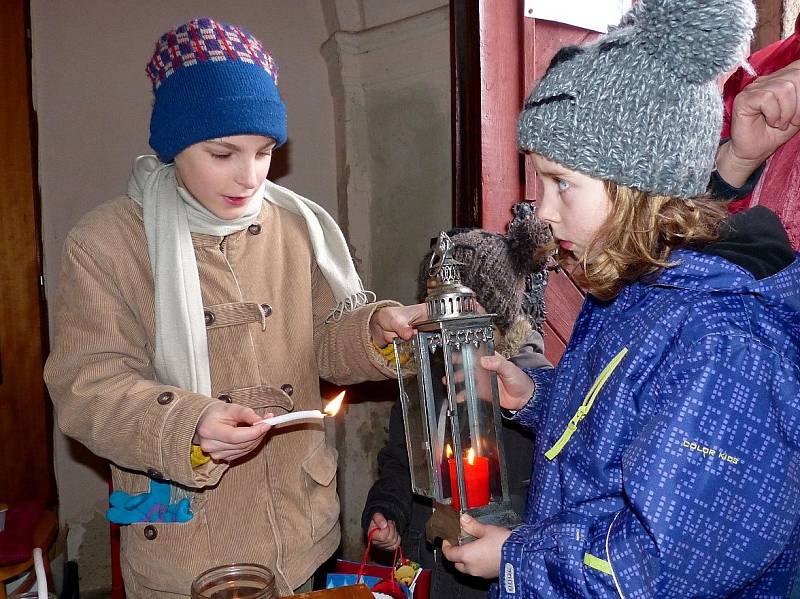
<point x="584" y="408"/>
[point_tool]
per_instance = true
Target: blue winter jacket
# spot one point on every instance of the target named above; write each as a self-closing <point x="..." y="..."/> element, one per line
<point x="668" y="447"/>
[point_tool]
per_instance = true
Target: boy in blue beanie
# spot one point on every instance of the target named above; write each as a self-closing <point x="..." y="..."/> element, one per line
<point x="668" y="436"/>
<point x="204" y="300"/>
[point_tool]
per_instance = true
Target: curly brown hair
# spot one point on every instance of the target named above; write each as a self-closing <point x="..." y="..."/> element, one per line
<point x="636" y="239"/>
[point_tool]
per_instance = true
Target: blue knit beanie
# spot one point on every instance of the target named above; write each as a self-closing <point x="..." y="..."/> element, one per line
<point x="211" y="79"/>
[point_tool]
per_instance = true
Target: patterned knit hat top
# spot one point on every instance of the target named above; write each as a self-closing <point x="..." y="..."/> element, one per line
<point x="500" y="268"/>
<point x="211" y="79"/>
<point x="640" y="106"/>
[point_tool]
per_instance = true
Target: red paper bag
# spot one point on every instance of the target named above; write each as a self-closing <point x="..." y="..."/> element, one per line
<point x="422" y="585"/>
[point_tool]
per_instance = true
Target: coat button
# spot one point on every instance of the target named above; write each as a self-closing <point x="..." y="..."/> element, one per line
<point x="209" y="317"/>
<point x="154" y="474"/>
<point x="254" y="229"/>
<point x="225" y="397"/>
<point x="287" y="388"/>
<point x="267" y="310"/>
<point x="150" y="532"/>
<point x="165" y="398"/>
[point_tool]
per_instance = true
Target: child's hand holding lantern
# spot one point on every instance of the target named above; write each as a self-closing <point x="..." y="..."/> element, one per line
<point x="516" y="388"/>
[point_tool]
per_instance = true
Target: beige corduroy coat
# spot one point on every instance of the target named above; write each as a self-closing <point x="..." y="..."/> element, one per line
<point x="265" y="302"/>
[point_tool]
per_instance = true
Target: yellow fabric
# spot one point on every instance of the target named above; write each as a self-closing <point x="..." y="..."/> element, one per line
<point x="597" y="563"/>
<point x="388" y="353"/>
<point x="197" y="456"/>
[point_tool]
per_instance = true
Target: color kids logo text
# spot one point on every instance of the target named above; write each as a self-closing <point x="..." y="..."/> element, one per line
<point x="710" y="452"/>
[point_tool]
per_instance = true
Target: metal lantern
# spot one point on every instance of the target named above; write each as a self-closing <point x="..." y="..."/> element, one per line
<point x="451" y="406"/>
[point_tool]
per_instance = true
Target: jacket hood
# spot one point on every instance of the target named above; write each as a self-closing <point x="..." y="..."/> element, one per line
<point x="755" y="240"/>
<point x="695" y="270"/>
<point x="752" y="256"/>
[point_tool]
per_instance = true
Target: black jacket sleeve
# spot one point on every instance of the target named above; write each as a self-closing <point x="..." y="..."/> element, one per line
<point x="391" y="493"/>
<point x="720" y="189"/>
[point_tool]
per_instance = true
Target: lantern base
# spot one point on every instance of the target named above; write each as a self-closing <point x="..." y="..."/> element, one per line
<point x="445" y="523"/>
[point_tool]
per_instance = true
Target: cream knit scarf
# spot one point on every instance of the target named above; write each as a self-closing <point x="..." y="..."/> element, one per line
<point x="171" y="214"/>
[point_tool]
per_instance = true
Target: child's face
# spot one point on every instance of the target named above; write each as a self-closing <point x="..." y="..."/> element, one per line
<point x="224" y="173"/>
<point x="573" y="204"/>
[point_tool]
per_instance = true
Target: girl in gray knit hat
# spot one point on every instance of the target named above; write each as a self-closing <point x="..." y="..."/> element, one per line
<point x="668" y="437"/>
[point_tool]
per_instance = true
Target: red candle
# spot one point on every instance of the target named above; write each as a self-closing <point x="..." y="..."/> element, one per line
<point x="476" y="480"/>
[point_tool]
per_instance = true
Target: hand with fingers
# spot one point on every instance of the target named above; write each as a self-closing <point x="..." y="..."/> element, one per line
<point x="395" y="321"/>
<point x="480" y="557"/>
<point x="765" y="115"/>
<point x="386" y="536"/>
<point x="225" y="431"/>
<point x="516" y="388"/>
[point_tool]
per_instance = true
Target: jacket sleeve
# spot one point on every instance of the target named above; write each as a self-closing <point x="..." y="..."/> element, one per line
<point x="102" y="382"/>
<point x="390" y="494"/>
<point x="532" y="414"/>
<point x="723" y="442"/>
<point x="531" y="353"/>
<point x="344" y="349"/>
<point x="720" y="189"/>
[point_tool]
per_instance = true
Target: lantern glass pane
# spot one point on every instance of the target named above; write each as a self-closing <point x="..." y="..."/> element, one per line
<point x="415" y="417"/>
<point x="439" y="419"/>
<point x="474" y="389"/>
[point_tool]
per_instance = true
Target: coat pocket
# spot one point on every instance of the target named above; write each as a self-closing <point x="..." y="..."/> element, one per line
<point x="166" y="557"/>
<point x="320" y="482"/>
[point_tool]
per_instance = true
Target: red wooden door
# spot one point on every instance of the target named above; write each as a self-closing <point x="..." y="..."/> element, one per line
<point x="495" y="44"/>
<point x="563" y="298"/>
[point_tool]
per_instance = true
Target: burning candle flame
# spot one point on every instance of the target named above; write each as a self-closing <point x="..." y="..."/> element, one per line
<point x="335" y="404"/>
<point x="471" y="456"/>
<point x="448" y="451"/>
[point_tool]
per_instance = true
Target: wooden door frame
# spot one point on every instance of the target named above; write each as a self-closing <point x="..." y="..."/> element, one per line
<point x="769" y="25"/>
<point x="487" y="86"/>
<point x="466" y="121"/>
<point x="497" y="56"/>
<point x="28" y="433"/>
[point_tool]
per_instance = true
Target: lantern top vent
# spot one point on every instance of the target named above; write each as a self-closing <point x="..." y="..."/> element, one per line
<point x="448" y="298"/>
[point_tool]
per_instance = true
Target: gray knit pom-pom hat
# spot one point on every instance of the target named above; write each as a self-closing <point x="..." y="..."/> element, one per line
<point x="640" y="106"/>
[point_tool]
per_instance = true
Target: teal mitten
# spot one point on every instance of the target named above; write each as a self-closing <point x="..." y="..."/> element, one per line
<point x="152" y="506"/>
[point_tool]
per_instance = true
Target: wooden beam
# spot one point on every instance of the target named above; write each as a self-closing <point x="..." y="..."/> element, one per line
<point x="25" y="411"/>
<point x="770" y="23"/>
<point x="501" y="100"/>
<point x="466" y="110"/>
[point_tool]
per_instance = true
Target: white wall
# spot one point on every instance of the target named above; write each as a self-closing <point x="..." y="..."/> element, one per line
<point x="357" y="15"/>
<point x="790" y="10"/>
<point x="391" y="90"/>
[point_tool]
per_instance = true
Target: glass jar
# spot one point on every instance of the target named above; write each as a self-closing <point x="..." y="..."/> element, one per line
<point x="236" y="581"/>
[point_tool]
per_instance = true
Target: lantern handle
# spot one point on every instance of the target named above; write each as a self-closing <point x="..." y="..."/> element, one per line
<point x="443" y="248"/>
